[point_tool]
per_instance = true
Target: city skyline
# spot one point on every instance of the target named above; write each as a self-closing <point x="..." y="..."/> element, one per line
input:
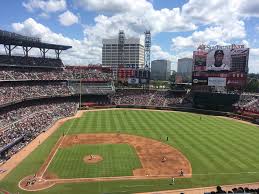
<point x="177" y="27"/>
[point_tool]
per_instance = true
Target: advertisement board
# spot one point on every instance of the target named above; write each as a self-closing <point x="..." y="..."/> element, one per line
<point x="239" y="59"/>
<point x="133" y="80"/>
<point x="144" y="81"/>
<point x="217" y="81"/>
<point x="200" y="81"/>
<point x="199" y="60"/>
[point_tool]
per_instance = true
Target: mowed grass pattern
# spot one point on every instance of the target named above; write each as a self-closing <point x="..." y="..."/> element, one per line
<point x="221" y="151"/>
<point x="118" y="160"/>
<point x="212" y="144"/>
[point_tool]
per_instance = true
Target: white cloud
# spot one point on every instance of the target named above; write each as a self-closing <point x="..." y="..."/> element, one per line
<point x="83" y="51"/>
<point x="246" y="43"/>
<point x="211" y="35"/>
<point x="136" y="24"/>
<point x="211" y="12"/>
<point x="67" y="18"/>
<point x="254" y="51"/>
<point x="254" y="60"/>
<point x="249" y="8"/>
<point x="115" y="6"/>
<point x="135" y="17"/>
<point x="31" y="27"/>
<point x="158" y="53"/>
<point x="44" y="15"/>
<point x="257" y="28"/>
<point x="220" y="11"/>
<point x="45" y="6"/>
<point x="182" y="42"/>
<point x="222" y="19"/>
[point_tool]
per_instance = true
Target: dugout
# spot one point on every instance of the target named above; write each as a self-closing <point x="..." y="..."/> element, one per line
<point x="6" y="148"/>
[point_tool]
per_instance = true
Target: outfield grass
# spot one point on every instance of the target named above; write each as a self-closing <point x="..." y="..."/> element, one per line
<point x="118" y="160"/>
<point x="221" y="151"/>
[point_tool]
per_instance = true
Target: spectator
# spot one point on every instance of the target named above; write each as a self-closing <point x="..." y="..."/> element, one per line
<point x="30" y="122"/>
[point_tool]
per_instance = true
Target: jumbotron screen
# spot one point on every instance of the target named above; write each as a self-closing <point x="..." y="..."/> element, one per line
<point x="220" y="66"/>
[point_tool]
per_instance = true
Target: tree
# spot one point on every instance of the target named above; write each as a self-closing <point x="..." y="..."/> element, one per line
<point x="253" y="75"/>
<point x="252" y="85"/>
<point x="172" y="77"/>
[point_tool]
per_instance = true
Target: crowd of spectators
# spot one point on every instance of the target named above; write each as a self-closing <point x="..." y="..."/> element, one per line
<point x="13" y="92"/>
<point x="31" y="61"/>
<point x="235" y="190"/>
<point x="131" y="97"/>
<point x="245" y="100"/>
<point x="52" y="85"/>
<point x="55" y="74"/>
<point x="248" y="103"/>
<point x="145" y="98"/>
<point x="29" y="122"/>
<point x="92" y="88"/>
<point x="158" y="99"/>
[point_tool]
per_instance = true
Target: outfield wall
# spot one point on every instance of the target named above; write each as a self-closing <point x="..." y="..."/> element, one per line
<point x="215" y="101"/>
<point x="184" y="109"/>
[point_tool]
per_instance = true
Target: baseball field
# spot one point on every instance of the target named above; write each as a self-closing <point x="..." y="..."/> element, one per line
<point x="128" y="151"/>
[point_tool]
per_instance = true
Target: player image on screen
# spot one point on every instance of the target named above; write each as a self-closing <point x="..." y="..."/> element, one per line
<point x="218" y="64"/>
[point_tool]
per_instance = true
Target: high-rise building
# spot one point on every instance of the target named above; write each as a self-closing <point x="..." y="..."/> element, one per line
<point x="160" y="69"/>
<point x="127" y="52"/>
<point x="184" y="66"/>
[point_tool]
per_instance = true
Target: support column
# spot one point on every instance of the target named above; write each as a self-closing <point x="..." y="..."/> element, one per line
<point x="8" y="49"/>
<point x="58" y="52"/>
<point x="43" y="52"/>
<point x="26" y="50"/>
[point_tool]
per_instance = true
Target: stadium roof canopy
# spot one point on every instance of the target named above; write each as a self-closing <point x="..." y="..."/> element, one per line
<point x="10" y="38"/>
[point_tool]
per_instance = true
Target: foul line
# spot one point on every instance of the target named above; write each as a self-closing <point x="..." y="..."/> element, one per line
<point x="225" y="173"/>
<point x="57" y="148"/>
<point x="120" y="178"/>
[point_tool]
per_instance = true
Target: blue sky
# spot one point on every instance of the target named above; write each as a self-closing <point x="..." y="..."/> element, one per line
<point x="177" y="27"/>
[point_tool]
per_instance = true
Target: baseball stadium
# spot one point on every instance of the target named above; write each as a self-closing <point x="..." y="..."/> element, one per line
<point x="90" y="129"/>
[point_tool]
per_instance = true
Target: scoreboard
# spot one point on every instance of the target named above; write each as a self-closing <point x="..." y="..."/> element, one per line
<point x="220" y="67"/>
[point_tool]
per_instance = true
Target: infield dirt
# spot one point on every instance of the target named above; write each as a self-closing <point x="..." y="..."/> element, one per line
<point x="158" y="161"/>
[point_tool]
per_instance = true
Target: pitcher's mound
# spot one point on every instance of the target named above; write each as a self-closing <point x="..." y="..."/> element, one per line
<point x="91" y="159"/>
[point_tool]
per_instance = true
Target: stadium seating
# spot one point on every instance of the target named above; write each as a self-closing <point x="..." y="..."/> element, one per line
<point x="247" y="103"/>
<point x="234" y="190"/>
<point x="17" y="89"/>
<point x="91" y="88"/>
<point x="54" y="74"/>
<point x="145" y="98"/>
<point x="28" y="122"/>
<point x="31" y="61"/>
<point x="15" y="92"/>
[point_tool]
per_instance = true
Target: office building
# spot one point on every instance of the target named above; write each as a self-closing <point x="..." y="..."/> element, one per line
<point x="123" y="52"/>
<point x="160" y="69"/>
<point x="184" y="66"/>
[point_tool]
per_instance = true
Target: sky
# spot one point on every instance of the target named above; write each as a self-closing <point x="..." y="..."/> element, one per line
<point x="177" y="26"/>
